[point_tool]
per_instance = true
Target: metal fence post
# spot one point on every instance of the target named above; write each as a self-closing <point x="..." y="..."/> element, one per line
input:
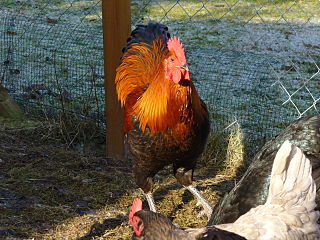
<point x="116" y="29"/>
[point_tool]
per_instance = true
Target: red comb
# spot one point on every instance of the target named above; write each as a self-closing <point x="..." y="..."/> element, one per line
<point x="136" y="206"/>
<point x="174" y="44"/>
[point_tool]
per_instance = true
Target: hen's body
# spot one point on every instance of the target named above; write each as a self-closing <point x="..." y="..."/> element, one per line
<point x="288" y="213"/>
<point x="158" y="227"/>
<point x="252" y="189"/>
<point x="166" y="122"/>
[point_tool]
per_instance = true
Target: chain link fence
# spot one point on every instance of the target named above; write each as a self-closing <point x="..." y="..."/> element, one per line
<point x="255" y="63"/>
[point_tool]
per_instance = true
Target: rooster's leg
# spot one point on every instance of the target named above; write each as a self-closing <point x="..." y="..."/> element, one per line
<point x="207" y="207"/>
<point x="184" y="176"/>
<point x="151" y="203"/>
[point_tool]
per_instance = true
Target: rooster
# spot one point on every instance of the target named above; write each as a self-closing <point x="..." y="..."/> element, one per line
<point x="288" y="213"/>
<point x="304" y="133"/>
<point x="165" y="120"/>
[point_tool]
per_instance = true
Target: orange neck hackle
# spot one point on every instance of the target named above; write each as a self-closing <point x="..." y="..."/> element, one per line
<point x="140" y="66"/>
<point x="145" y="91"/>
<point x="164" y="105"/>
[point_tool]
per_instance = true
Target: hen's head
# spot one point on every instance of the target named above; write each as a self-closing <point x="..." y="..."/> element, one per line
<point x="176" y="64"/>
<point x="135" y="221"/>
<point x="153" y="226"/>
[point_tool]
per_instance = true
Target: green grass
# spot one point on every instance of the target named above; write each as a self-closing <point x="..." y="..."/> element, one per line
<point x="57" y="55"/>
<point x="232" y="10"/>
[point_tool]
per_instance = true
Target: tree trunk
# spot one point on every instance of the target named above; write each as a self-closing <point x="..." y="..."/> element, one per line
<point x="8" y="107"/>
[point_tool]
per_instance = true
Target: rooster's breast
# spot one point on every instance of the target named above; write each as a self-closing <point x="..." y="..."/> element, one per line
<point x="184" y="143"/>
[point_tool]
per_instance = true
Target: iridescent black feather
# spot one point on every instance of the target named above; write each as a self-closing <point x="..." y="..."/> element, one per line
<point x="147" y="34"/>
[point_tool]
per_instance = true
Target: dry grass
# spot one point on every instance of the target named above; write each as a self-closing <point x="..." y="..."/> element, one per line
<point x="235" y="151"/>
<point x="48" y="192"/>
<point x="225" y="152"/>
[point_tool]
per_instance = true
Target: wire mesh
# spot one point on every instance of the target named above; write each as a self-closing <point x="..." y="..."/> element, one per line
<point x="52" y="56"/>
<point x="255" y="63"/>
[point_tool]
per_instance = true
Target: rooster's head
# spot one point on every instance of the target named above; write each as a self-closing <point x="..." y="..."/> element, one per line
<point x="176" y="64"/>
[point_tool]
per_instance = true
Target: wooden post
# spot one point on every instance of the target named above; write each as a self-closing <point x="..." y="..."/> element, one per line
<point x="116" y="29"/>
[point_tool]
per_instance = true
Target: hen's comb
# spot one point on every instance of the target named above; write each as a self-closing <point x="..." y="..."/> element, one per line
<point x="174" y="44"/>
<point x="136" y="206"/>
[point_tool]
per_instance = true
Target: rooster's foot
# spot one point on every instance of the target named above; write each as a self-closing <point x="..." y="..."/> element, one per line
<point x="207" y="207"/>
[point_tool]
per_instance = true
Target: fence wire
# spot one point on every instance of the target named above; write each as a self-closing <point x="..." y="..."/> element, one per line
<point x="52" y="57"/>
<point x="255" y="63"/>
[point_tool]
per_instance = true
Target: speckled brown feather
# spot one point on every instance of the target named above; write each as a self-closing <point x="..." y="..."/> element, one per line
<point x="179" y="146"/>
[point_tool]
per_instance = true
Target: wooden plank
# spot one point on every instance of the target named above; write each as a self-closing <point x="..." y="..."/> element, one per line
<point x="116" y="29"/>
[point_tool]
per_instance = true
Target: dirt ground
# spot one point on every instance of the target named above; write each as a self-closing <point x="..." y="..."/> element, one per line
<point x="50" y="192"/>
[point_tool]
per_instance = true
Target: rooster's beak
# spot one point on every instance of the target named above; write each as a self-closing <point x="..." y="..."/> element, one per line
<point x="185" y="72"/>
<point x="185" y="67"/>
